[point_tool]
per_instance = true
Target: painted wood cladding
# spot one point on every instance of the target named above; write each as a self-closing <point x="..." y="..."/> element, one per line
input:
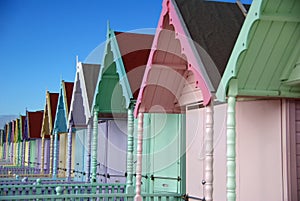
<point x="195" y="153"/>
<point x="163" y="166"/>
<point x="80" y="159"/>
<point x="112" y="146"/>
<point x="297" y="123"/>
<point x="259" y="150"/>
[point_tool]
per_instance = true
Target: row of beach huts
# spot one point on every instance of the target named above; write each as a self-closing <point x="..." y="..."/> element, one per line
<point x="207" y="108"/>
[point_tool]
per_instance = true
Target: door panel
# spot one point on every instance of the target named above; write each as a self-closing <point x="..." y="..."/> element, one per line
<point x="117" y="150"/>
<point x="79" y="156"/>
<point x="165" y="155"/>
<point x="194" y="151"/>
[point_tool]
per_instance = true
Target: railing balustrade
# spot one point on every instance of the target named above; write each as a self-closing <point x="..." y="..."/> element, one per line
<point x="63" y="188"/>
<point x="11" y="170"/>
<point x="27" y="182"/>
<point x="98" y="197"/>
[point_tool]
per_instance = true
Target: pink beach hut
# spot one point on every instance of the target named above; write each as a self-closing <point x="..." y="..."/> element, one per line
<point x="192" y="44"/>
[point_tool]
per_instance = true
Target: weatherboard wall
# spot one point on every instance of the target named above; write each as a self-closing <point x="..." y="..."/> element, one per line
<point x="112" y="150"/>
<point x="262" y="167"/>
<point x="163" y="151"/>
<point x="62" y="155"/>
<point x="80" y="154"/>
<point x="195" y="151"/>
<point x="297" y="137"/>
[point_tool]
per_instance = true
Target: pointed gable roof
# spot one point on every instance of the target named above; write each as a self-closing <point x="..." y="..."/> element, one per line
<point x="23" y="126"/>
<point x="134" y="49"/>
<point x="49" y="113"/>
<point x="34" y="123"/>
<point x="121" y="73"/>
<point x="19" y="127"/>
<point x="265" y="59"/>
<point x="83" y="93"/>
<point x="2" y="136"/>
<point x="5" y="133"/>
<point x="14" y="131"/>
<point x="68" y="90"/>
<point x="9" y="131"/>
<point x="63" y="106"/>
<point x="214" y="27"/>
<point x="191" y="46"/>
<point x="52" y="106"/>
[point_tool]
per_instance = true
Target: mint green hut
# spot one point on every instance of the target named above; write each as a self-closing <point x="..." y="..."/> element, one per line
<point x="261" y="88"/>
<point x="120" y="77"/>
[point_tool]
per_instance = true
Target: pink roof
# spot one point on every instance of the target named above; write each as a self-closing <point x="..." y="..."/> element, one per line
<point x="168" y="67"/>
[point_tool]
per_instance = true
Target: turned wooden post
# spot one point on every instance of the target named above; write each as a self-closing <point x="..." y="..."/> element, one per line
<point x="130" y="144"/>
<point x="88" y="161"/>
<point x="55" y="155"/>
<point x="69" y="153"/>
<point x="138" y="196"/>
<point x="51" y="155"/>
<point x="94" y="147"/>
<point x="231" y="152"/>
<point x="43" y="155"/>
<point x="208" y="161"/>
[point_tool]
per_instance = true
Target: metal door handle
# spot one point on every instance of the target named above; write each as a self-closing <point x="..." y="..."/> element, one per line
<point x="187" y="197"/>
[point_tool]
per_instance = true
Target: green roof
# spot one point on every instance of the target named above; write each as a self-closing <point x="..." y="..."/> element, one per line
<point x="265" y="60"/>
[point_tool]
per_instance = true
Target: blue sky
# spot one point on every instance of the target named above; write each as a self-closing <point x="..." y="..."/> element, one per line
<point x="39" y="41"/>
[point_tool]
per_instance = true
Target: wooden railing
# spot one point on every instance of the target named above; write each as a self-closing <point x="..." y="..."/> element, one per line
<point x="59" y="189"/>
<point x="14" y="182"/>
<point x="11" y="170"/>
<point x="98" y="197"/>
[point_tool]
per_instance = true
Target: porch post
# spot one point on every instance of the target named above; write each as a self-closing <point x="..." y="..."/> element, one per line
<point x="43" y="154"/>
<point x="106" y="152"/>
<point x="209" y="149"/>
<point x="55" y="154"/>
<point x="69" y="154"/>
<point x="1" y="145"/>
<point x="12" y="152"/>
<point x="138" y="196"/>
<point x="88" y="161"/>
<point x="51" y="155"/>
<point x="231" y="152"/>
<point x="23" y="152"/>
<point x="94" y="147"/>
<point x="129" y="182"/>
<point x="29" y="150"/>
<point x="19" y="153"/>
<point x="7" y="150"/>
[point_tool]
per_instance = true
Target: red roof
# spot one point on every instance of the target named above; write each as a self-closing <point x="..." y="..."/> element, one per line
<point x="23" y="126"/>
<point x="135" y="49"/>
<point x="53" y="105"/>
<point x="69" y="91"/>
<point x="35" y="120"/>
<point x="14" y="124"/>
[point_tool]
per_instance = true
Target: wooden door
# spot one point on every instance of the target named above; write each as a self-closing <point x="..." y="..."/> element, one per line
<point x="195" y="151"/>
<point x="62" y="159"/>
<point x="79" y="155"/>
<point x="47" y="155"/>
<point x="293" y="148"/>
<point x="33" y="156"/>
<point x="165" y="153"/>
<point x="116" y="150"/>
